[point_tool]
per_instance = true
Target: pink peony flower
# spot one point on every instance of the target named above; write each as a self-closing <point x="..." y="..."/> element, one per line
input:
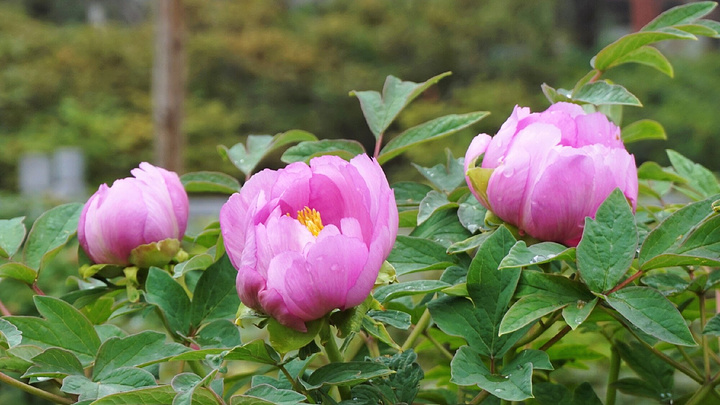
<point x="545" y="172"/>
<point x="309" y="239"/>
<point x="134" y="211"/>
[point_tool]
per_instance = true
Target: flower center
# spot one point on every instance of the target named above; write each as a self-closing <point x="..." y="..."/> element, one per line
<point x="311" y="219"/>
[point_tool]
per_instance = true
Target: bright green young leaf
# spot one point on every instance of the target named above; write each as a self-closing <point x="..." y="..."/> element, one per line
<point x="468" y="369"/>
<point x="683" y="14"/>
<point x="643" y="130"/>
<point x="646" y="55"/>
<point x="698" y="29"/>
<point x="414" y="287"/>
<point x="18" y="271"/>
<point x="445" y="177"/>
<point x="170" y="298"/>
<point x="209" y="182"/>
<point x="345" y="374"/>
<point x="530" y="308"/>
<point x="629" y="43"/>
<point x="119" y="380"/>
<point x="652" y="313"/>
<point x="215" y="294"/>
<point x="199" y="262"/>
<point x="51" y="231"/>
<point x="285" y="339"/>
<point x="138" y="350"/>
<point x="304" y="151"/>
<point x="577" y="312"/>
<point x="698" y="177"/>
<point x="381" y="110"/>
<point x="55" y="363"/>
<point x="608" y="244"/>
<point x="267" y="394"/>
<point x="247" y="157"/>
<point x="712" y="24"/>
<point x="378" y="331"/>
<point x="601" y="92"/>
<point x="429" y="131"/>
<point x="555" y="96"/>
<point x="522" y="255"/>
<point x="432" y="202"/>
<point x="99" y="310"/>
<point x="220" y="333"/>
<point x="653" y="171"/>
<point x="412" y="254"/>
<point x="12" y="234"/>
<point x="64" y="326"/>
<point x="10" y="336"/>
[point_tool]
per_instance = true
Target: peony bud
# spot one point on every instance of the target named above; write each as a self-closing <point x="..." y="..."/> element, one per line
<point x="545" y="172"/>
<point x="134" y="211"/>
<point x="310" y="239"/>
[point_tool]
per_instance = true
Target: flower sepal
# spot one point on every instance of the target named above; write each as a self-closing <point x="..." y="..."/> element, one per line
<point x="156" y="254"/>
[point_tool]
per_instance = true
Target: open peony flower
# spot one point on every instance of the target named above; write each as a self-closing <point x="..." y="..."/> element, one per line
<point x="545" y="172"/>
<point x="309" y="239"/>
<point x="150" y="207"/>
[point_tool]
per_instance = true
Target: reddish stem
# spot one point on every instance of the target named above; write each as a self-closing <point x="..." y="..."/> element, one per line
<point x="626" y="282"/>
<point x="37" y="289"/>
<point x="564" y="331"/>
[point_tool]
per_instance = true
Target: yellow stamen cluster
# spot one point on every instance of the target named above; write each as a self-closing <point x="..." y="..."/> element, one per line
<point x="311" y="219"/>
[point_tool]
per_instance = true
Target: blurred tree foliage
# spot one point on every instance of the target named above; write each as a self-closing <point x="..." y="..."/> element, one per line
<point x="261" y="66"/>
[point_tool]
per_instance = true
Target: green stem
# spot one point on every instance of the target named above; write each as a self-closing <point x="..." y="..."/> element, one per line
<point x="480" y="397"/>
<point x="539" y="331"/>
<point x="372" y="346"/>
<point x="699" y="397"/>
<point x="688" y="359"/>
<point x="35" y="391"/>
<point x="422" y="324"/>
<point x="445" y="352"/>
<point x="296" y="386"/>
<point x="704" y="338"/>
<point x="564" y="331"/>
<point x="613" y="375"/>
<point x="333" y="354"/>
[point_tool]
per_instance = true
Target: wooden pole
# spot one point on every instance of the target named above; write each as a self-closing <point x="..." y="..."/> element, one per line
<point x="169" y="84"/>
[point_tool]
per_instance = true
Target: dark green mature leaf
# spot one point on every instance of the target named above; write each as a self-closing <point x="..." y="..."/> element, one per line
<point x="55" y="363"/>
<point x="637" y="387"/>
<point x="398" y="319"/>
<point x="119" y="380"/>
<point x="256" y="351"/>
<point x="412" y="254"/>
<point x="51" y="231"/>
<point x="381" y="111"/>
<point x="467" y="368"/>
<point x="522" y="255"/>
<point x="64" y="327"/>
<point x="608" y="244"/>
<point x="648" y="366"/>
<point x="429" y="131"/>
<point x="304" y="151"/>
<point x="220" y="333"/>
<point x="683" y="14"/>
<point x="246" y="158"/>
<point x="652" y="313"/>
<point x="471" y="214"/>
<point x="10" y="336"/>
<point x="18" y="271"/>
<point x="443" y="227"/>
<point x="601" y="92"/>
<point x="445" y="177"/>
<point x="267" y="394"/>
<point x="409" y="194"/>
<point x="209" y="182"/>
<point x="163" y="394"/>
<point x="629" y="43"/>
<point x="713" y="326"/>
<point x="345" y="374"/>
<point x="170" y="298"/>
<point x="12" y="234"/>
<point x="433" y="201"/>
<point x="643" y="130"/>
<point x="698" y="177"/>
<point x="536" y="282"/>
<point x="468" y="244"/>
<point x="538" y="358"/>
<point x="646" y="55"/>
<point x="399" y="388"/>
<point x="215" y="294"/>
<point x="530" y="308"/>
<point x="397" y="290"/>
<point x="138" y="350"/>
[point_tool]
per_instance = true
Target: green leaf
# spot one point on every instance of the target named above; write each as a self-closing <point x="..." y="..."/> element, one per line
<point x="429" y="131"/>
<point x="643" y="130"/>
<point x="471" y="214"/>
<point x="119" y="380"/>
<point x="555" y="96"/>
<point x="648" y="366"/>
<point x="304" y="151"/>
<point x="170" y="298"/>
<point x="522" y="255"/>
<point x="652" y="313"/>
<point x="220" y="333"/>
<point x="345" y="374"/>
<point x="267" y="394"/>
<point x="137" y="350"/>
<point x="392" y="291"/>
<point x="256" y="351"/>
<point x="398" y="319"/>
<point x="602" y="92"/>
<point x="285" y="339"/>
<point x="50" y="232"/>
<point x="468" y="369"/>
<point x="712" y="24"/>
<point x="55" y="363"/>
<point x="145" y="396"/>
<point x="445" y="177"/>
<point x="433" y="201"/>
<point x="209" y="182"/>
<point x="443" y="227"/>
<point x="683" y="14"/>
<point x="576" y="313"/>
<point x="18" y="271"/>
<point x="379" y="332"/>
<point x="646" y="55"/>
<point x="100" y="310"/>
<point x="64" y="326"/>
<point x="530" y="308"/>
<point x="713" y="326"/>
<point x="468" y="244"/>
<point x="637" y="387"/>
<point x="697" y="176"/>
<point x="538" y="358"/>
<point x="573" y="352"/>
<point x="629" y="43"/>
<point x="381" y="111"/>
<point x="608" y="244"/>
<point x="653" y="171"/>
<point x="199" y="262"/>
<point x="12" y="234"/>
<point x="698" y="29"/>
<point x="412" y="254"/>
<point x="215" y="294"/>
<point x="246" y="158"/>
<point x="536" y="282"/>
<point x="409" y="194"/>
<point x="10" y="336"/>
